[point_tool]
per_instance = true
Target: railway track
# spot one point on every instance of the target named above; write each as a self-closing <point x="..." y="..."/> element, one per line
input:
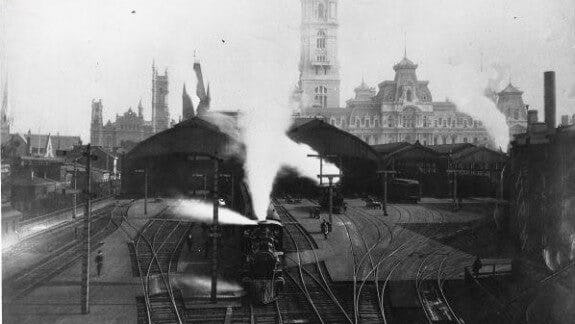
<point x="311" y="280"/>
<point x="69" y="252"/>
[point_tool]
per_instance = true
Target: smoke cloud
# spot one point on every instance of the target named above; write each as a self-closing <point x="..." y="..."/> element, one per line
<point x="471" y="90"/>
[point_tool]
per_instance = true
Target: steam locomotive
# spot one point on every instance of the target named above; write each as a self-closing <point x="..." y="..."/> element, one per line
<point x="263" y="269"/>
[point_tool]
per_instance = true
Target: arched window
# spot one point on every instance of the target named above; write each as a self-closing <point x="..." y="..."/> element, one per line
<point x="516" y="114"/>
<point x="454" y="139"/>
<point x="465" y="140"/>
<point x="321" y="96"/>
<point x="408" y="95"/>
<point x="320" y="11"/>
<point x="320" y="42"/>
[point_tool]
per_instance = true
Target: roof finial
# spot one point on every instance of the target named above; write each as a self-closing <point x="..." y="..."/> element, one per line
<point x="404" y="44"/>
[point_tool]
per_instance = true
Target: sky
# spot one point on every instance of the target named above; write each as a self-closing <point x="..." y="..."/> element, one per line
<point x="59" y="55"/>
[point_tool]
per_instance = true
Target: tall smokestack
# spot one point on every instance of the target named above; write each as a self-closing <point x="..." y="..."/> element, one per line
<point x="549" y="98"/>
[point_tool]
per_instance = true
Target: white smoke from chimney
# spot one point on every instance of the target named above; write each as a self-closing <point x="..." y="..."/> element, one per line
<point x="469" y="89"/>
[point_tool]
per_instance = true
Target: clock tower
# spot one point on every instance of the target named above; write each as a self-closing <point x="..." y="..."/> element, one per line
<point x="319" y="68"/>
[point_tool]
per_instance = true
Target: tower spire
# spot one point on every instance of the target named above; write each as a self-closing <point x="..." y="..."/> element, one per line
<point x="404" y="44"/>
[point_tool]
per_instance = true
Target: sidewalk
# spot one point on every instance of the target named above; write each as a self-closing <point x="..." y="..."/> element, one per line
<point x="112" y="294"/>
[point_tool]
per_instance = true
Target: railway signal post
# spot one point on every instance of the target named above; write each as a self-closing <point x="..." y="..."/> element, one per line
<point x="85" y="292"/>
<point x="385" y="176"/>
<point x="330" y="192"/>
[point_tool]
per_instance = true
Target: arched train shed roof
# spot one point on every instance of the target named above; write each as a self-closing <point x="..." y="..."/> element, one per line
<point x="194" y="136"/>
<point x="327" y="139"/>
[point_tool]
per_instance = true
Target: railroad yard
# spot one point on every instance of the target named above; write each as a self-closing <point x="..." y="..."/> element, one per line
<point x="407" y="267"/>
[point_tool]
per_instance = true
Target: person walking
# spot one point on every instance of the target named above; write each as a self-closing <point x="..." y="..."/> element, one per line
<point x="477" y="264"/>
<point x="99" y="262"/>
<point x="324" y="228"/>
<point x="190" y="242"/>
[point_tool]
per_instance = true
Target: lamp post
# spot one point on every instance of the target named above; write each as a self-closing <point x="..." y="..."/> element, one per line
<point x="385" y="176"/>
<point x="330" y="192"/>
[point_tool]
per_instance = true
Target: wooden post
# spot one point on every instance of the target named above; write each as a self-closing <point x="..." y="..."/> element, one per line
<point x="384" y="200"/>
<point x="85" y="289"/>
<point x="146" y="190"/>
<point x="215" y="233"/>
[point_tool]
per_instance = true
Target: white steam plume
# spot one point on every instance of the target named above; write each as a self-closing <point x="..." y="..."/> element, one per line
<point x="201" y="211"/>
<point x="268" y="149"/>
<point x="468" y="87"/>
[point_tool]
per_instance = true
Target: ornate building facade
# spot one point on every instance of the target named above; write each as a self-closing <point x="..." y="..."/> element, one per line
<point x="402" y="110"/>
<point x="399" y="110"/>
<point x="131" y="126"/>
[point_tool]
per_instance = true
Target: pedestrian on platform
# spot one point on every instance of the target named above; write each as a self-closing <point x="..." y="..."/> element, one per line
<point x="477" y="266"/>
<point x="190" y="242"/>
<point x="99" y="262"/>
<point x="329" y="227"/>
<point x="324" y="228"/>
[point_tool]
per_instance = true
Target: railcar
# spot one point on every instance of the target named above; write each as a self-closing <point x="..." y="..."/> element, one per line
<point x="404" y="190"/>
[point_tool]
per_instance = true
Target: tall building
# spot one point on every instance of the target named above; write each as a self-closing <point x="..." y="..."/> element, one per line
<point x="131" y="127"/>
<point x="510" y="103"/>
<point x="402" y="110"/>
<point x="319" y="80"/>
<point x="160" y="112"/>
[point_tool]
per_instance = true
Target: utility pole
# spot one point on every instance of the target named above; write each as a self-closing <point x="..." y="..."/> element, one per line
<point x="146" y="190"/>
<point x="385" y="176"/>
<point x="215" y="234"/>
<point x="330" y="192"/>
<point x="455" y="172"/>
<point x="85" y="298"/>
<point x="321" y="157"/>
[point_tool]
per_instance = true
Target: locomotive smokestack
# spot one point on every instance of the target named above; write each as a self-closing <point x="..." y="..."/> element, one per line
<point x="549" y="98"/>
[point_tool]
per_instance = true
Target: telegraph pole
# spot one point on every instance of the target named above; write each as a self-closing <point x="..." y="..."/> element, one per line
<point x="330" y="192"/>
<point x="215" y="234"/>
<point x="85" y="298"/>
<point x="321" y="157"/>
<point x="385" y="173"/>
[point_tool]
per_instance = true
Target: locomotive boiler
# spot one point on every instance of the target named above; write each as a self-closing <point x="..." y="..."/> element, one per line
<point x="263" y="269"/>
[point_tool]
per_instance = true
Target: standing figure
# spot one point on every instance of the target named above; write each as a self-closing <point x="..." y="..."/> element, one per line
<point x="190" y="242"/>
<point x="324" y="228"/>
<point x="477" y="266"/>
<point x="99" y="262"/>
